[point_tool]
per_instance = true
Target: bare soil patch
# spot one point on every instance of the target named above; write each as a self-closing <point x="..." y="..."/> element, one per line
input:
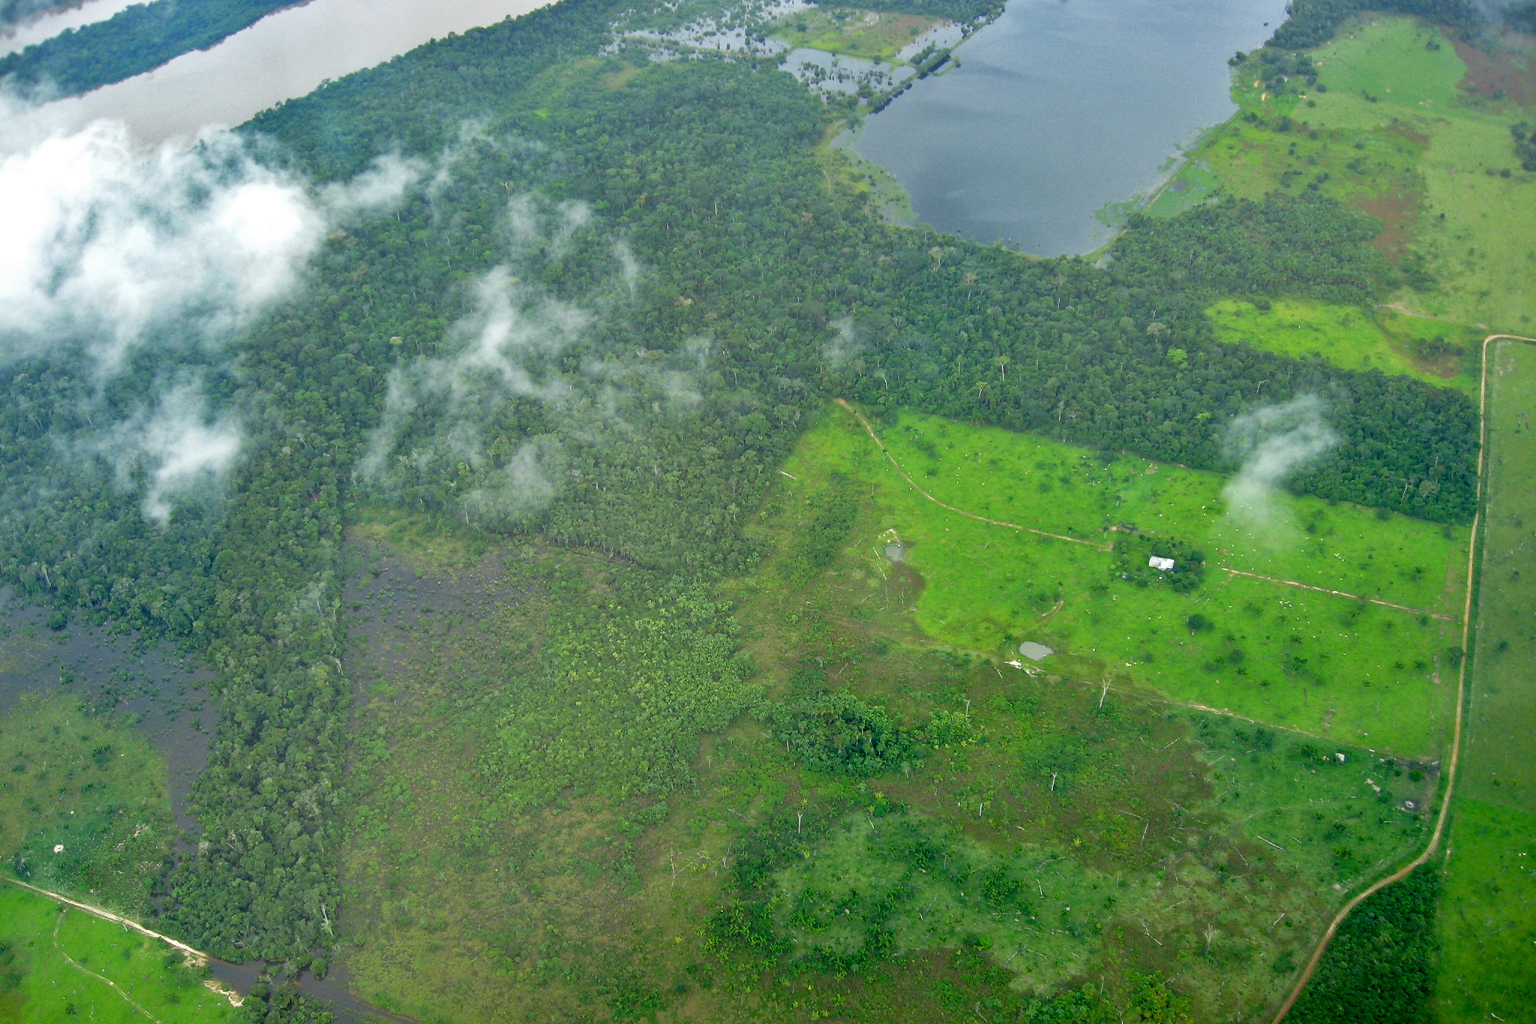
<point x="1504" y="74"/>
<point x="1399" y="214"/>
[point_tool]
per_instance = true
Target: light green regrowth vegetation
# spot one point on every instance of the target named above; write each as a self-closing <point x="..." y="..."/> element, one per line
<point x="83" y="804"/>
<point x="1432" y="351"/>
<point x="1331" y="664"/>
<point x="65" y="965"/>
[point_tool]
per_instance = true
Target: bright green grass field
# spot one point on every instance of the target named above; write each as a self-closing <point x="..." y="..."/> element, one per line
<point x="1315" y="662"/>
<point x="1484" y="250"/>
<point x="1500" y="758"/>
<point x="38" y="983"/>
<point x="1488" y="917"/>
<point x="1390" y="58"/>
<point x="1352" y="338"/>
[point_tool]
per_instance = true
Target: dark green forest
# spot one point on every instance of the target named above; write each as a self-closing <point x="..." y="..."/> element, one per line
<point x="726" y="293"/>
<point x="129" y="43"/>
<point x="1379" y="969"/>
<point x="1313" y="22"/>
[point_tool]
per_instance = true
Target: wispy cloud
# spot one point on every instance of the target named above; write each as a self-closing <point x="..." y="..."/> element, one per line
<point x="107" y="251"/>
<point x="1273" y="442"/>
<point x="445" y="419"/>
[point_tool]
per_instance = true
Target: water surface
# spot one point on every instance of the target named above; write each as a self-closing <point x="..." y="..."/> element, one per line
<point x="46" y="26"/>
<point x="1059" y="108"/>
<point x="281" y="57"/>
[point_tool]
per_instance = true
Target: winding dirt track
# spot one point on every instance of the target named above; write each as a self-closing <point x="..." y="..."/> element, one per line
<point x="957" y="511"/>
<point x="1461" y="699"/>
<point x="107" y="915"/>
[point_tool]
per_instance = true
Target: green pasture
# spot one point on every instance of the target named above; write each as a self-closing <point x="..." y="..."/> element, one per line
<point x="1316" y="662"/>
<point x="1383" y="340"/>
<point x="56" y="965"/>
<point x="1392" y="131"/>
<point x="1475" y="224"/>
<point x="1488" y="916"/>
<point x="1052" y="832"/>
<point x="1499" y="763"/>
<point x="874" y="35"/>
<point x="1398" y="61"/>
<point x="78" y="781"/>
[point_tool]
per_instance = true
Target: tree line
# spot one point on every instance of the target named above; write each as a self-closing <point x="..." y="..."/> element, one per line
<point x="130" y="42"/>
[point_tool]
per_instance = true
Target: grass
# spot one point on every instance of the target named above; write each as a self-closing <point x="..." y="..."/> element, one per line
<point x="1488" y="920"/>
<point x="1397" y="133"/>
<point x="1319" y="663"/>
<point x="874" y="35"/>
<point x="1487" y="926"/>
<point x="98" y="790"/>
<point x="1429" y="350"/>
<point x="1193" y="184"/>
<point x="1500" y="759"/>
<point x="1136" y="835"/>
<point x="55" y="965"/>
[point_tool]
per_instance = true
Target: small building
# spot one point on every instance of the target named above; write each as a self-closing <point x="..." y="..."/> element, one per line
<point x="1034" y="651"/>
<point x="1161" y="564"/>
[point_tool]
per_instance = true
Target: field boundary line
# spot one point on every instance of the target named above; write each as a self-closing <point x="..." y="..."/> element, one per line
<point x="958" y="511"/>
<point x="1461" y="699"/>
<point x="870" y="430"/>
<point x="114" y="986"/>
<point x="1338" y="593"/>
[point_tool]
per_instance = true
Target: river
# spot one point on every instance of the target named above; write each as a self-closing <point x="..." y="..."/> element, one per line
<point x="1059" y="108"/>
<point x="282" y="56"/>
<point x="46" y="26"/>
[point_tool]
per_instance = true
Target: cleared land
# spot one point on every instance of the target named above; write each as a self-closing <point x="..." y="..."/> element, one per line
<point x="1430" y="350"/>
<point x="1501" y="745"/>
<point x="870" y="34"/>
<point x="1043" y="830"/>
<point x="1317" y="662"/>
<point x="1488" y="920"/>
<point x="83" y="803"/>
<point x="1399" y="129"/>
<point x="58" y="965"/>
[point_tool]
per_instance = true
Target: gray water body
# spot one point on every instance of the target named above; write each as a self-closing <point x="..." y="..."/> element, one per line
<point x="46" y="26"/>
<point x="1059" y="108"/>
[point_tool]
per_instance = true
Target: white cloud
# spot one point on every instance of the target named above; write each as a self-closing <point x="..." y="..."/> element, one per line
<point x="178" y="448"/>
<point x="105" y="250"/>
<point x="1272" y="442"/>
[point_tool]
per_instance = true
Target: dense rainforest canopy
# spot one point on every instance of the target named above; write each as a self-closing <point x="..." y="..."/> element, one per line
<point x="676" y="290"/>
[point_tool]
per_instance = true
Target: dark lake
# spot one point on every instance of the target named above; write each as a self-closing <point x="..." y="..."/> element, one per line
<point x="1059" y="108"/>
